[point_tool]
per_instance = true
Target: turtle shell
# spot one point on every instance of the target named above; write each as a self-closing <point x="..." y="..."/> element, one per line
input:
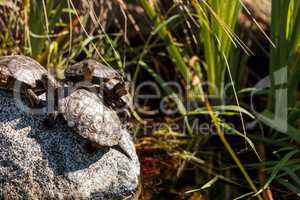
<point x="102" y="79"/>
<point x="91" y="119"/>
<point x="99" y="71"/>
<point x="21" y="68"/>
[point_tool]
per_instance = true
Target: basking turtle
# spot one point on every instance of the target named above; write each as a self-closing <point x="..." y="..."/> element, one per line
<point x="104" y="79"/>
<point x="92" y="120"/>
<point x="25" y="73"/>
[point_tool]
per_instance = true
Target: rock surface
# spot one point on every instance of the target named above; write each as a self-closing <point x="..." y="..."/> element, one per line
<point x="36" y="163"/>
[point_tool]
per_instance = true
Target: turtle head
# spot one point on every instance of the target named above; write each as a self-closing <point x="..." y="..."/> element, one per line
<point x="49" y="81"/>
<point x="75" y="72"/>
<point x="125" y="107"/>
<point x="44" y="78"/>
<point x="87" y="71"/>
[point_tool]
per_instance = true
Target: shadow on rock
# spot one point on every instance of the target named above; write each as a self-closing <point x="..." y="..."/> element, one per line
<point x="64" y="150"/>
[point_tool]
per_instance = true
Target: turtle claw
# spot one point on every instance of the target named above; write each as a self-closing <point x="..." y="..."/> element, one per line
<point x="50" y="121"/>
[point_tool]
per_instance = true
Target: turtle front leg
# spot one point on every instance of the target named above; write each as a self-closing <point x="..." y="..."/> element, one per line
<point x="33" y="100"/>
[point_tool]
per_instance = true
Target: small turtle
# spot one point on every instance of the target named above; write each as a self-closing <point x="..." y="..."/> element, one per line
<point x="25" y="72"/>
<point x="92" y="120"/>
<point x="106" y="80"/>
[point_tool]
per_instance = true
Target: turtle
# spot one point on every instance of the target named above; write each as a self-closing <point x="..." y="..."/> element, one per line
<point x="99" y="125"/>
<point x="103" y="79"/>
<point x="26" y="73"/>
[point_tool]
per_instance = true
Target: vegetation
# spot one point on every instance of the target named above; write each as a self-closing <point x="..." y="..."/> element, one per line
<point x="249" y="144"/>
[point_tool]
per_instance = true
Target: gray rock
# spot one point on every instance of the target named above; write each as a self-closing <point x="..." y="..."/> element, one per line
<point x="37" y="163"/>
